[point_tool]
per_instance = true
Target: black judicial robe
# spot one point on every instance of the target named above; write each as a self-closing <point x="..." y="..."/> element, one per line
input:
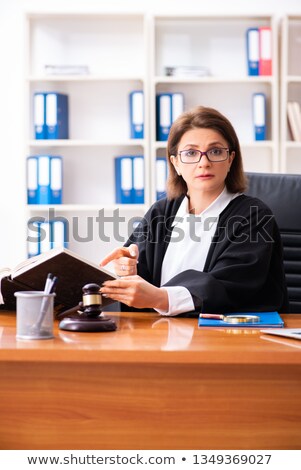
<point x="243" y="271"/>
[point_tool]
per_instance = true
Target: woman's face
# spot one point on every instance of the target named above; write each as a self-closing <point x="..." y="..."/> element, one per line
<point x="204" y="176"/>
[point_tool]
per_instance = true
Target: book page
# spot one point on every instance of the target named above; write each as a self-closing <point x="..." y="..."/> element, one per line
<point x="39" y="259"/>
<point x="24" y="265"/>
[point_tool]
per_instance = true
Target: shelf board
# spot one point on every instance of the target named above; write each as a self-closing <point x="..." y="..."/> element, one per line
<point x="293" y="79"/>
<point x="209" y="79"/>
<point x="292" y="144"/>
<point x="40" y="208"/>
<point x="85" y="143"/>
<point x="84" y="78"/>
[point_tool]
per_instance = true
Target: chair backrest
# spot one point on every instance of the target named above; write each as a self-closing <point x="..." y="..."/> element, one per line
<point x="282" y="193"/>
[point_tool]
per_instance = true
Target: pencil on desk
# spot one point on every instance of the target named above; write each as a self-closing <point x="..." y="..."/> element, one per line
<point x="212" y="316"/>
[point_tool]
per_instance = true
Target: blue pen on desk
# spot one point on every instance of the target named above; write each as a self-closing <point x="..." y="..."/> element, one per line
<point x="49" y="289"/>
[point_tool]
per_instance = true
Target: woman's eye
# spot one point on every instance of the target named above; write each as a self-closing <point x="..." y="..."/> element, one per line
<point x="215" y="151"/>
<point x="191" y="153"/>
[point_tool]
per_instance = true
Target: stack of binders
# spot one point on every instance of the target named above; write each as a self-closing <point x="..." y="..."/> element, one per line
<point x="44" y="179"/>
<point x="46" y="235"/>
<point x="259" y="51"/>
<point x="129" y="179"/>
<point x="51" y="115"/>
<point x="169" y="107"/>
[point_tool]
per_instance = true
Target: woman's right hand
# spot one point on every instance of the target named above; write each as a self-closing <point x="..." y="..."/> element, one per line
<point x="125" y="260"/>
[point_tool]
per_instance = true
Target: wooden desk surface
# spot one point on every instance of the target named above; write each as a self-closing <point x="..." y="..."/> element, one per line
<point x="155" y="383"/>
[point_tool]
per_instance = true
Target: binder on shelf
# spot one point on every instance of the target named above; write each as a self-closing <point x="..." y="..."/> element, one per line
<point x="137" y="115"/>
<point x="161" y="176"/>
<point x="39" y="115"/>
<point x="138" y="180"/>
<point x="59" y="233"/>
<point x="57" y="116"/>
<point x="32" y="180"/>
<point x="169" y="107"/>
<point x="124" y="179"/>
<point x="259" y="116"/>
<point x="33" y="235"/>
<point x="294" y="120"/>
<point x="44" y="192"/>
<point x="56" y="180"/>
<point x="164" y="115"/>
<point x="265" y="51"/>
<point x="177" y="105"/>
<point x="44" y="236"/>
<point x="253" y="51"/>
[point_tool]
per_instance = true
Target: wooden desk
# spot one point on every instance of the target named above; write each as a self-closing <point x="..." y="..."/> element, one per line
<point x="155" y="383"/>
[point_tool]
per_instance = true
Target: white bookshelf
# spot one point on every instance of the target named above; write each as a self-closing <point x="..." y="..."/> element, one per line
<point x="114" y="47"/>
<point x="290" y="90"/>
<point x="218" y="43"/>
<point x="130" y="51"/>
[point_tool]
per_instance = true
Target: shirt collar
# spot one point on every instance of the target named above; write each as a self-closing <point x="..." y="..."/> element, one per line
<point x="213" y="210"/>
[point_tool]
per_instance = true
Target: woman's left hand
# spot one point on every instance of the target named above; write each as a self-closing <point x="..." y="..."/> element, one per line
<point x="135" y="292"/>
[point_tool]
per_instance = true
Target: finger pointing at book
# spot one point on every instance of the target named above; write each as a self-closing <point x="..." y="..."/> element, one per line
<point x="125" y="260"/>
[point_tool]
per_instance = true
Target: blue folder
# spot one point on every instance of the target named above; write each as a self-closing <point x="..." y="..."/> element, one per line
<point x="39" y="114"/>
<point x="253" y="51"/>
<point x="267" y="319"/>
<point x="56" y="180"/>
<point x="124" y="179"/>
<point x="57" y="122"/>
<point x="136" y="114"/>
<point x="259" y="115"/>
<point x="32" y="180"/>
<point x="138" y="180"/>
<point x="44" y="190"/>
<point x="161" y="177"/>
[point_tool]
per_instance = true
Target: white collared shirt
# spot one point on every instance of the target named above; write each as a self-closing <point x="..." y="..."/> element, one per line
<point x="188" y="248"/>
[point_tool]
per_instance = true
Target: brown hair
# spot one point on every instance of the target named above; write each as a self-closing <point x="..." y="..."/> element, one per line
<point x="206" y="118"/>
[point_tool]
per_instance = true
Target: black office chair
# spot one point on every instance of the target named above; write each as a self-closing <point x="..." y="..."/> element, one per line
<point x="282" y="193"/>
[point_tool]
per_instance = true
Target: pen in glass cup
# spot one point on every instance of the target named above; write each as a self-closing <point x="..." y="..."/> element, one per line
<point x="49" y="289"/>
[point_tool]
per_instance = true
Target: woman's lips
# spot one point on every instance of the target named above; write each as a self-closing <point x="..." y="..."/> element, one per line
<point x="204" y="177"/>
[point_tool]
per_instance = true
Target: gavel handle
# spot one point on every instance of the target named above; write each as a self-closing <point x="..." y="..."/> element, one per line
<point x="70" y="312"/>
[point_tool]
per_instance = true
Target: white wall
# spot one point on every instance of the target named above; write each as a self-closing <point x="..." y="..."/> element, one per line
<point x="12" y="125"/>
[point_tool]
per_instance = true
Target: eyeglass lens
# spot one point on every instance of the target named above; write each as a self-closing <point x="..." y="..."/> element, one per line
<point x="214" y="155"/>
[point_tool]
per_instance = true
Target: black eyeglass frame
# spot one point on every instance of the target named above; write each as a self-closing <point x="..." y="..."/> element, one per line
<point x="205" y="153"/>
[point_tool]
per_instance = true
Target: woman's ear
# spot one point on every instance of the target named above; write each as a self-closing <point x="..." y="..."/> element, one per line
<point x="231" y="158"/>
<point x="174" y="161"/>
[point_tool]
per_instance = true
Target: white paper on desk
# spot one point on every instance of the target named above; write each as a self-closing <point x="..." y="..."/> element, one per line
<point x="294" y="333"/>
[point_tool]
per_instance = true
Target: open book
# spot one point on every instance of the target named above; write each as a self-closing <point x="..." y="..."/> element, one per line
<point x="72" y="270"/>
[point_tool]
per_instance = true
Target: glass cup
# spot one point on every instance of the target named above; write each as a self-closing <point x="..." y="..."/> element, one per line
<point x="34" y="315"/>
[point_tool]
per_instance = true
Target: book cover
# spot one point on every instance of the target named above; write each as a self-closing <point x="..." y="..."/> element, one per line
<point x="72" y="270"/>
<point x="294" y="120"/>
<point x="267" y="319"/>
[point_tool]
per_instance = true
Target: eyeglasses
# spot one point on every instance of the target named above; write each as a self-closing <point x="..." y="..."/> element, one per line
<point x="217" y="154"/>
